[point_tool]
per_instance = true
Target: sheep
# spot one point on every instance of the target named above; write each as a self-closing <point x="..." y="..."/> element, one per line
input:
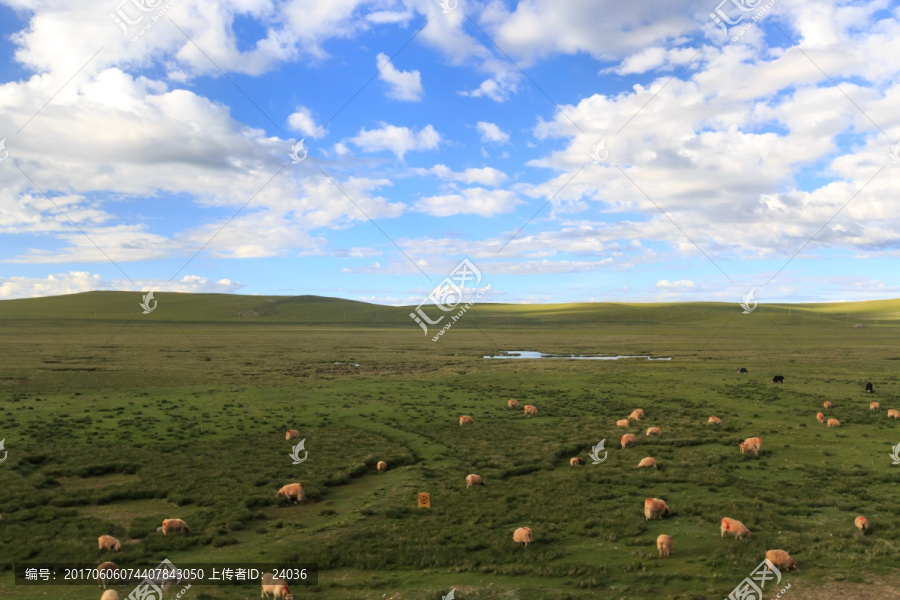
<point x="734" y="527"/>
<point x="575" y="461"/>
<point x="381" y="466"/>
<point x="110" y="595"/>
<point x="291" y="434"/>
<point x="751" y="445"/>
<point x="648" y="462"/>
<point x="530" y="409"/>
<point x="174" y="525"/>
<point x="104" y="575"/>
<point x="628" y="440"/>
<point x="473" y="479"/>
<point x="715" y="420"/>
<point x="522" y="535"/>
<point x="108" y="542"/>
<point x="623" y="423"/>
<point x="827" y="404"/>
<point x="874" y="405"/>
<point x="653" y="431"/>
<point x="278" y="588"/>
<point x="820" y="417"/>
<point x="893" y="412"/>
<point x="862" y="524"/>
<point x="655" y="506"/>
<point x="465" y="420"/>
<point x="664" y="544"/>
<point x="513" y="403"/>
<point x="292" y="490"/>
<point x="637" y="414"/>
<point x="781" y="559"/>
<point x="834" y="423"/>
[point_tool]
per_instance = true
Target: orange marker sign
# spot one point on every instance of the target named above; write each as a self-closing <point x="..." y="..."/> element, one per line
<point x="424" y="500"/>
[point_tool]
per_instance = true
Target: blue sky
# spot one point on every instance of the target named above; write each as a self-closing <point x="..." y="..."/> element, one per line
<point x="734" y="162"/>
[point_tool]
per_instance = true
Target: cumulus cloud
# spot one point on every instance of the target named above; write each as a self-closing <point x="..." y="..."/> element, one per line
<point x="398" y="140"/>
<point x="302" y="120"/>
<point x="75" y="282"/>
<point x="490" y="132"/>
<point x="405" y="85"/>
<point x="475" y="201"/>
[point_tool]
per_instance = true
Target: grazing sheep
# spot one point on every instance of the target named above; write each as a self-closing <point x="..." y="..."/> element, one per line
<point x="862" y="524"/>
<point x="892" y="412"/>
<point x="108" y="542"/>
<point x="381" y="466"/>
<point x="742" y="369"/>
<point x="530" y="409"/>
<point x="827" y="404"/>
<point x="778" y="379"/>
<point x="575" y="461"/>
<point x="820" y="417"/>
<point x="751" y="445"/>
<point x="103" y="573"/>
<point x="465" y="420"/>
<point x="781" y="559"/>
<point x="513" y="403"/>
<point x="869" y="388"/>
<point x="110" y="595"/>
<point x="715" y="420"/>
<point x="278" y="588"/>
<point x="655" y="506"/>
<point x="637" y="414"/>
<point x="628" y="440"/>
<point x="291" y="434"/>
<point x="664" y="544"/>
<point x="473" y="480"/>
<point x="874" y="406"/>
<point x="623" y="422"/>
<point x="292" y="490"/>
<point x="174" y="525"/>
<point x="647" y="463"/>
<point x="834" y="423"/>
<point x="734" y="527"/>
<point x="653" y="431"/>
<point x="522" y="535"/>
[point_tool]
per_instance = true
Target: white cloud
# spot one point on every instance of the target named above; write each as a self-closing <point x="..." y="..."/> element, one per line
<point x="398" y="140"/>
<point x="75" y="282"/>
<point x="490" y="132"/>
<point x="484" y="175"/>
<point x="681" y="284"/>
<point x="475" y="201"/>
<point x="405" y="85"/>
<point x="302" y="120"/>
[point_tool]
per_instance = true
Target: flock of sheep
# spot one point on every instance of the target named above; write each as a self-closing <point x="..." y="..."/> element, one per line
<point x="653" y="507"/>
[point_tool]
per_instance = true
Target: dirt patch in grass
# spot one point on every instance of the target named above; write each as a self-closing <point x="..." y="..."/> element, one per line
<point x="874" y="588"/>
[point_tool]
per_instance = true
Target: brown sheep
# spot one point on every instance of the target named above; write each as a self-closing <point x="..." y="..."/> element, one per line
<point x="530" y="409"/>
<point x="653" y="431"/>
<point x="655" y="506"/>
<point x="174" y="525"/>
<point x="291" y="434"/>
<point x="820" y="417"/>
<point x="473" y="480"/>
<point x="834" y="423"/>
<point x="874" y="405"/>
<point x="513" y="403"/>
<point x="575" y="461"/>
<point x="103" y="573"/>
<point x="110" y="595"/>
<point x="862" y="524"/>
<point x="734" y="527"/>
<point x="637" y="414"/>
<point x="381" y="466"/>
<point x="664" y="544"/>
<point x="465" y="420"/>
<point x="623" y="423"/>
<point x="781" y="559"/>
<point x="108" y="542"/>
<point x="292" y="490"/>
<point x="522" y="535"/>
<point x="715" y="420"/>
<point x="827" y="404"/>
<point x="893" y="412"/>
<point x="278" y="588"/>
<point x="750" y="445"/>
<point x="628" y="440"/>
<point x="648" y="462"/>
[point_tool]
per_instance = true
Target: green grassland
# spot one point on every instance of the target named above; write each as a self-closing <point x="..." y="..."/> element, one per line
<point x="114" y="420"/>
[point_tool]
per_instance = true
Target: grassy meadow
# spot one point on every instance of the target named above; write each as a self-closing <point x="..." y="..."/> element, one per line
<point x="114" y="420"/>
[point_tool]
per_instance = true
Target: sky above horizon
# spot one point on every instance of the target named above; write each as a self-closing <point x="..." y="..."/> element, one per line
<point x="572" y="151"/>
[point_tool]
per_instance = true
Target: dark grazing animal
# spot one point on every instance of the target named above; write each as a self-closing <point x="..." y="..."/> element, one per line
<point x="778" y="379"/>
<point x="869" y="387"/>
<point x="742" y="369"/>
